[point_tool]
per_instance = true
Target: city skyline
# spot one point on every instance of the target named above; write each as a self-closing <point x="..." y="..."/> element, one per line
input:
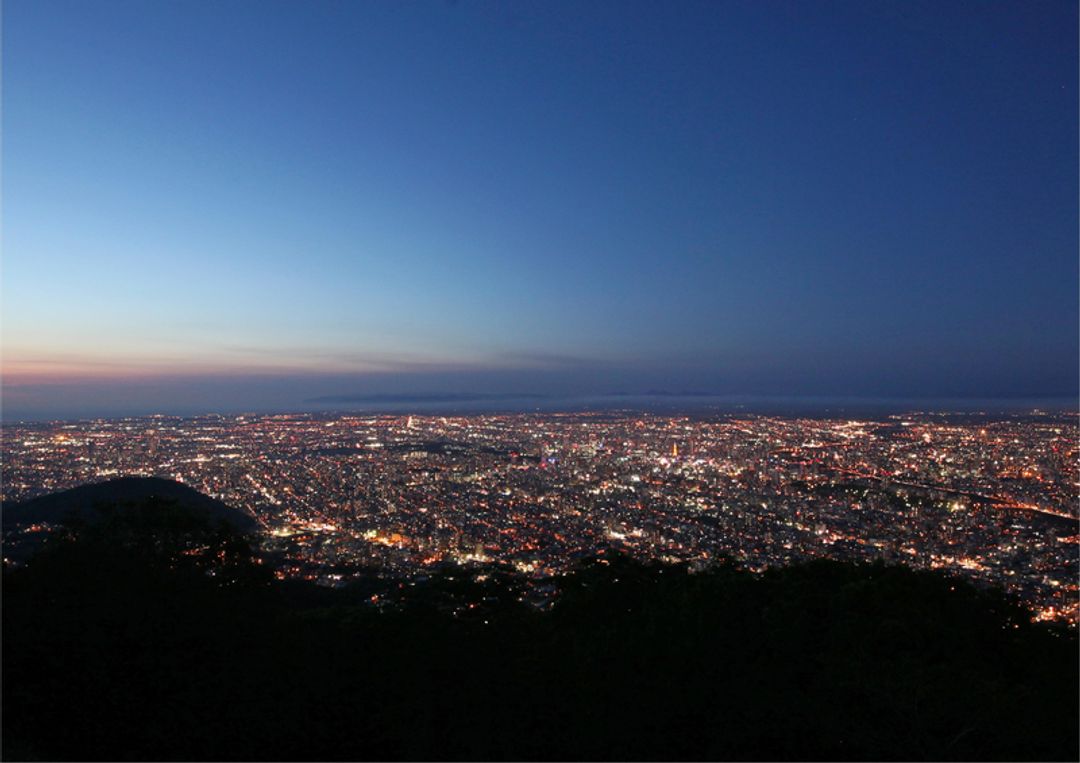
<point x="252" y="205"/>
<point x="335" y="496"/>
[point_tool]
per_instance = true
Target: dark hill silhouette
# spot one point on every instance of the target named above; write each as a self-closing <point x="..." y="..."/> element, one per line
<point x="82" y="503"/>
<point x="150" y="636"/>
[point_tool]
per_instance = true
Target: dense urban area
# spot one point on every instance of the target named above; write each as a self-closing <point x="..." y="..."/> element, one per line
<point x="338" y="497"/>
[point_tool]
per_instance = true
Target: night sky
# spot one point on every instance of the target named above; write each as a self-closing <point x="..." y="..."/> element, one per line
<point x="229" y="205"/>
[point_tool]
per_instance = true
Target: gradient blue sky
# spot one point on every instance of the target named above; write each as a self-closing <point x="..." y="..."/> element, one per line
<point x="220" y="204"/>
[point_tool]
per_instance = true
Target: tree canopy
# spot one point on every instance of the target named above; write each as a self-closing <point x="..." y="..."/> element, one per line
<point x="156" y="635"/>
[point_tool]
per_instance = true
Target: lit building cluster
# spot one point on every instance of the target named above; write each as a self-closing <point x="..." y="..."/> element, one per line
<point x="344" y="496"/>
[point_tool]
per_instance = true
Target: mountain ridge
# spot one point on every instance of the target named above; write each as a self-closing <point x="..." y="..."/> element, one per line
<point x="81" y="502"/>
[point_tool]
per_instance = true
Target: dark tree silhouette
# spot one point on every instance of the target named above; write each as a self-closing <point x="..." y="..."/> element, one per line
<point x="152" y="634"/>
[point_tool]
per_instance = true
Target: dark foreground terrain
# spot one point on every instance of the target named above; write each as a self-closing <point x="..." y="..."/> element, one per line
<point x="153" y="634"/>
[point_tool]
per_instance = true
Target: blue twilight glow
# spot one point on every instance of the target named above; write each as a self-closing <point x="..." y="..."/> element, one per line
<point x="208" y="204"/>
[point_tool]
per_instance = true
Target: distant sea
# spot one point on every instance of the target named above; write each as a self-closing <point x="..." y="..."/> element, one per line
<point x="671" y="404"/>
<point x="705" y="404"/>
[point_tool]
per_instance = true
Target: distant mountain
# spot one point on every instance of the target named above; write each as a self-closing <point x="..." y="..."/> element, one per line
<point x="55" y="508"/>
<point x="664" y="393"/>
<point x="465" y="397"/>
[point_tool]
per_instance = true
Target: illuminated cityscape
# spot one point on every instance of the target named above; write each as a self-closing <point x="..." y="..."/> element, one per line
<point x="539" y="381"/>
<point x="338" y="497"/>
